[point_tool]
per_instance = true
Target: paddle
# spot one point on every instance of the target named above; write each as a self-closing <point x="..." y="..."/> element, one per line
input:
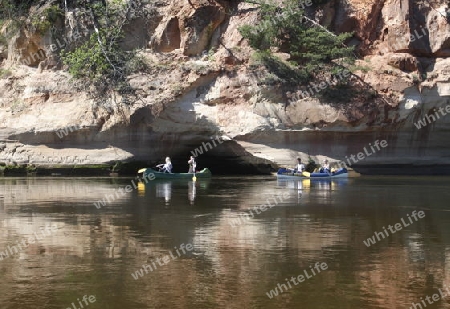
<point x="144" y="169"/>
<point x="194" y="178"/>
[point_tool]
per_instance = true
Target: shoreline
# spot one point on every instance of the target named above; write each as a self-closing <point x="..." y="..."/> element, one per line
<point x="131" y="168"/>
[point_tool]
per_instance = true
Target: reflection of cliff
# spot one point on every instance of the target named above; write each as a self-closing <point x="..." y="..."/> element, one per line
<point x="21" y="192"/>
<point x="230" y="267"/>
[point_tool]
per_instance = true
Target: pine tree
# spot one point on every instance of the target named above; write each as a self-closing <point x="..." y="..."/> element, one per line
<point x="313" y="49"/>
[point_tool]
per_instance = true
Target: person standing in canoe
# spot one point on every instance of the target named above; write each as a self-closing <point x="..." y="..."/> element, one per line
<point x="192" y="164"/>
<point x="166" y="168"/>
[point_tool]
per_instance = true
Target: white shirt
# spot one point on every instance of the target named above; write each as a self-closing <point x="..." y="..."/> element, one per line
<point x="300" y="167"/>
<point x="168" y="167"/>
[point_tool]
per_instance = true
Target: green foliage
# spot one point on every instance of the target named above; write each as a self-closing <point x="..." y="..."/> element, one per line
<point x="340" y="92"/>
<point x="11" y="12"/>
<point x="361" y="68"/>
<point x="40" y="24"/>
<point x="90" y="60"/>
<point x="416" y="79"/>
<point x="17" y="106"/>
<point x="312" y="49"/>
<point x="311" y="166"/>
<point x="14" y="169"/>
<point x="116" y="167"/>
<point x="286" y="72"/>
<point x="5" y="73"/>
<point x="211" y="53"/>
<point x="100" y="63"/>
<point x="11" y="9"/>
<point x="101" y="60"/>
<point x="44" y="21"/>
<point x="11" y="28"/>
<point x="137" y="63"/>
<point x="343" y="92"/>
<point x="31" y="168"/>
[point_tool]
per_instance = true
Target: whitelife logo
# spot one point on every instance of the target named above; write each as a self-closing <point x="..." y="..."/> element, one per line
<point x="85" y="299"/>
<point x="436" y="297"/>
<point x="432" y="118"/>
<point x="361" y="156"/>
<point x="66" y="130"/>
<point x="20" y="246"/>
<point x="161" y="259"/>
<point x="300" y="278"/>
<point x="199" y="150"/>
<point x="398" y="227"/>
<point x="242" y="218"/>
<point x="109" y="198"/>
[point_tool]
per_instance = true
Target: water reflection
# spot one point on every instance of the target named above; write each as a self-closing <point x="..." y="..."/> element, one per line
<point x="94" y="251"/>
<point x="320" y="188"/>
<point x="164" y="188"/>
<point x="192" y="192"/>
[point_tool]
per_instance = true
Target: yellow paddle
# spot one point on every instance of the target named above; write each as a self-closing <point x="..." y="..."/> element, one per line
<point x="142" y="170"/>
<point x="306" y="174"/>
<point x="194" y="178"/>
<point x="141" y="188"/>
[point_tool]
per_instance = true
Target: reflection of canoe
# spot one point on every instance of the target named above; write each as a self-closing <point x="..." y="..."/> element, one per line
<point x="285" y="174"/>
<point x="164" y="188"/>
<point x="204" y="173"/>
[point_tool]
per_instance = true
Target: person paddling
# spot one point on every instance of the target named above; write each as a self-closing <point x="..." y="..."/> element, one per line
<point x="166" y="168"/>
<point x="325" y="167"/>
<point x="192" y="164"/>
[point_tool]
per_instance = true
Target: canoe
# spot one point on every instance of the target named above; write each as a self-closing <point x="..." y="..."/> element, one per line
<point x="285" y="174"/>
<point x="204" y="173"/>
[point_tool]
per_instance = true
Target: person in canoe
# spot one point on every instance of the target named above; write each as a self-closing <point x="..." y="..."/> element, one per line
<point x="300" y="166"/>
<point x="166" y="168"/>
<point x="325" y="167"/>
<point x="192" y="164"/>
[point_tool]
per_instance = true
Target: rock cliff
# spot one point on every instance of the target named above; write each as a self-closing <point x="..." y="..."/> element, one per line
<point x="205" y="92"/>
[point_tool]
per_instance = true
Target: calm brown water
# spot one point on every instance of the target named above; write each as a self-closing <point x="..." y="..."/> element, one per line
<point x="94" y="251"/>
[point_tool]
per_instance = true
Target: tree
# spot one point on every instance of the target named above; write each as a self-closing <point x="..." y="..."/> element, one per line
<point x="11" y="15"/>
<point x="313" y="49"/>
<point x="100" y="63"/>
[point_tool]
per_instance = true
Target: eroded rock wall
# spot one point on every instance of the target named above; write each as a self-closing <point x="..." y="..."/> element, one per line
<point x="203" y="83"/>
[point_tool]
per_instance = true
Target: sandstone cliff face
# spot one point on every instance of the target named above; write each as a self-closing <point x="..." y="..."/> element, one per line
<point x="204" y="83"/>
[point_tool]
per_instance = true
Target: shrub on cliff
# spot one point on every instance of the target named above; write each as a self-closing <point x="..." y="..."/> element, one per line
<point x="100" y="63"/>
<point x="313" y="50"/>
<point x="10" y="9"/>
<point x="97" y="60"/>
<point x="10" y="16"/>
<point x="42" y="22"/>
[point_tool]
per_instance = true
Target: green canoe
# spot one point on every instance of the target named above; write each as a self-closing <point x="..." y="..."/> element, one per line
<point x="204" y="173"/>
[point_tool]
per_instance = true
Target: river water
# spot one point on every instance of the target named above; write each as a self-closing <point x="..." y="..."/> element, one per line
<point x="203" y="244"/>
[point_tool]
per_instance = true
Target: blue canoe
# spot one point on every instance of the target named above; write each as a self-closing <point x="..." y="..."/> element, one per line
<point x="286" y="174"/>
